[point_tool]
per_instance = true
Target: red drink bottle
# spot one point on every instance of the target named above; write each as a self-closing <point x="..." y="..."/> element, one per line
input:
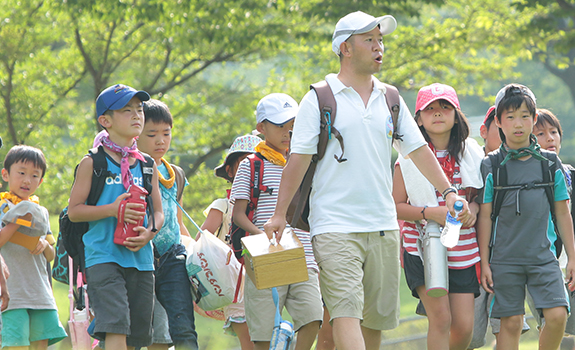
<point x="124" y="229"/>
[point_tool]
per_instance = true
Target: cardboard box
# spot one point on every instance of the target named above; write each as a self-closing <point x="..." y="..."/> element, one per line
<point x="272" y="266"/>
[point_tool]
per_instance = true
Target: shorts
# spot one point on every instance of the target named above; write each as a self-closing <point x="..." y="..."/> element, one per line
<point x="302" y="301"/>
<point x="369" y="265"/>
<point x="234" y="313"/>
<point x="123" y="301"/>
<point x="160" y="324"/>
<point x="460" y="280"/>
<point x="544" y="282"/>
<point x="24" y="326"/>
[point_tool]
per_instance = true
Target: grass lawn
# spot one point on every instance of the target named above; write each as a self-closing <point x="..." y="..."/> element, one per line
<point x="211" y="336"/>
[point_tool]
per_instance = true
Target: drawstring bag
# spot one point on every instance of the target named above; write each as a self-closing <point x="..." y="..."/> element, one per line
<point x="283" y="333"/>
<point x="213" y="270"/>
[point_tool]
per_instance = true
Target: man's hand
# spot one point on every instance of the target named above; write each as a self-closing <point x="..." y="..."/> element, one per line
<point x="275" y="226"/>
<point x="450" y="202"/>
<point x="136" y="243"/>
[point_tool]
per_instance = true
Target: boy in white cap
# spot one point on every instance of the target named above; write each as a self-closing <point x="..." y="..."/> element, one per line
<point x="275" y="117"/>
<point x="352" y="217"/>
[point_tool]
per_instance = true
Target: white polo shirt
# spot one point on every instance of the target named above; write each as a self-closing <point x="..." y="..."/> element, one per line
<point x="354" y="196"/>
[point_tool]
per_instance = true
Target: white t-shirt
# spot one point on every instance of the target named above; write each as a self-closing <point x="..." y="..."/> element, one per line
<point x="354" y="196"/>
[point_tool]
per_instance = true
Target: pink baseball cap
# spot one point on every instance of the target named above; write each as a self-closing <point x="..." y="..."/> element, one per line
<point x="434" y="92"/>
<point x="491" y="109"/>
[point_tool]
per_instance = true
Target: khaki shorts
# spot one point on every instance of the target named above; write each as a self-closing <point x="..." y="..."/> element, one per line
<point x="302" y="301"/>
<point x="359" y="276"/>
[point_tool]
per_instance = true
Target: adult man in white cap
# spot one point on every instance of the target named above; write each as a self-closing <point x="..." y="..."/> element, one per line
<point x="352" y="215"/>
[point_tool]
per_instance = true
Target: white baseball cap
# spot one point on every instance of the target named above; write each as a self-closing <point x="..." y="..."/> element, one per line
<point x="359" y="23"/>
<point x="276" y="108"/>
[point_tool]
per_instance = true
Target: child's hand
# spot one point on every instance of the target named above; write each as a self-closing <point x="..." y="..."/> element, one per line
<point x="469" y="218"/>
<point x="5" y="297"/>
<point x="136" y="243"/>
<point x="570" y="274"/>
<point x="486" y="278"/>
<point x="40" y="247"/>
<point x="131" y="213"/>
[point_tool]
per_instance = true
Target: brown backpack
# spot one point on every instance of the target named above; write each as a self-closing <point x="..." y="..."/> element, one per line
<point x="298" y="210"/>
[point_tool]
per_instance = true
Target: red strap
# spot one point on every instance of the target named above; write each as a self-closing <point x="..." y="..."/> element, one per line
<point x="239" y="284"/>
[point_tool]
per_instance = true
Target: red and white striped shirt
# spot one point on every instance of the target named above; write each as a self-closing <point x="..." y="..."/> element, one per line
<point x="466" y="252"/>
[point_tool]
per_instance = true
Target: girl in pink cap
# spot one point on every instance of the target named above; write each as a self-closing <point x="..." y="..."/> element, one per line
<point x="446" y="130"/>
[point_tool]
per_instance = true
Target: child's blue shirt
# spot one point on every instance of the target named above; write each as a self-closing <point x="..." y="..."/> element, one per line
<point x="169" y="234"/>
<point x="99" y="240"/>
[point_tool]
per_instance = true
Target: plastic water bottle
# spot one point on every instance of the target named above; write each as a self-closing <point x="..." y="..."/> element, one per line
<point x="450" y="233"/>
<point x="282" y="336"/>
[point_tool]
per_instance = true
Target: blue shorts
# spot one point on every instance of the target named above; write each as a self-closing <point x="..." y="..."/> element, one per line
<point x="24" y="326"/>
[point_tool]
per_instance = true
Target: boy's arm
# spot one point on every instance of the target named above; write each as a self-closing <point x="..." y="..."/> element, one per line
<point x="6" y="233"/>
<point x="483" y="228"/>
<point x="145" y="233"/>
<point x="4" y="295"/>
<point x="241" y="219"/>
<point x="44" y="247"/>
<point x="565" y="228"/>
<point x="78" y="211"/>
<point x="183" y="229"/>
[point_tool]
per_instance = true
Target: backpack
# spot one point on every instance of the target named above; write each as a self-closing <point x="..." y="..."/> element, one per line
<point x="71" y="233"/>
<point x="501" y="186"/>
<point x="298" y="211"/>
<point x="256" y="188"/>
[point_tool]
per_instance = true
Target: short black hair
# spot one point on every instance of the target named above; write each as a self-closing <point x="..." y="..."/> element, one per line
<point x="545" y="116"/>
<point x="515" y="95"/>
<point x="157" y="112"/>
<point x="24" y="153"/>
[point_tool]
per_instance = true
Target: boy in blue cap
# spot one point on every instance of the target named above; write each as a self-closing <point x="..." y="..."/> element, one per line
<point x="120" y="276"/>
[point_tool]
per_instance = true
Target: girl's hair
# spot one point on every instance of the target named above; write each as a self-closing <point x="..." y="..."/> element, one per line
<point x="157" y="112"/>
<point x="512" y="96"/>
<point x="459" y="132"/>
<point x="544" y="117"/>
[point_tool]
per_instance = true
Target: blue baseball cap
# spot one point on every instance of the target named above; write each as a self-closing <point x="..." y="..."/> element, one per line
<point x="117" y="96"/>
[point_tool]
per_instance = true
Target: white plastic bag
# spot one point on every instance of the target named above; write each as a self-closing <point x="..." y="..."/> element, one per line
<point x="213" y="264"/>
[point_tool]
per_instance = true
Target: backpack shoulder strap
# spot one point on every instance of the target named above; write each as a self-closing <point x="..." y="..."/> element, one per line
<point x="328" y="110"/>
<point x="147" y="172"/>
<point x="99" y="174"/>
<point x="256" y="182"/>
<point x="499" y="174"/>
<point x="548" y="169"/>
<point x="392" y="100"/>
<point x="180" y="181"/>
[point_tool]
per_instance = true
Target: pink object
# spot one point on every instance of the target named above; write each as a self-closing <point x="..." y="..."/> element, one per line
<point x="434" y="92"/>
<point x="79" y="319"/>
<point x="492" y="108"/>
<point x="99" y="137"/>
<point x="123" y="229"/>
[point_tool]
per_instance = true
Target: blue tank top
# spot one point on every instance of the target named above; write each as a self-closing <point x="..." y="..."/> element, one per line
<point x="99" y="240"/>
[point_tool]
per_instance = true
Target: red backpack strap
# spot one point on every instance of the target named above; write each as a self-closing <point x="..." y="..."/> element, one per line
<point x="256" y="185"/>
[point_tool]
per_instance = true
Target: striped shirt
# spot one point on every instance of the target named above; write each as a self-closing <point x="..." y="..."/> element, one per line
<point x="267" y="202"/>
<point x="466" y="252"/>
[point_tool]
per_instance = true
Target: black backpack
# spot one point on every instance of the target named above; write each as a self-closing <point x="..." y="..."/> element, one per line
<point x="501" y="186"/>
<point x="71" y="233"/>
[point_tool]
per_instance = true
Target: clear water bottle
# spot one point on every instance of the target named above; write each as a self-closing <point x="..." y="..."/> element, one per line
<point x="450" y="233"/>
<point x="282" y="336"/>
